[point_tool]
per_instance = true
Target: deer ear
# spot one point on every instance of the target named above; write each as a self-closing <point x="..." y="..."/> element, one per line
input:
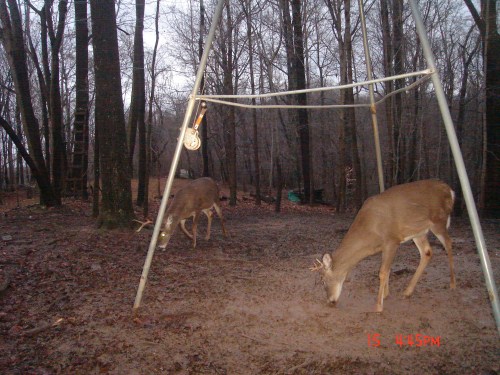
<point x="327" y="261"/>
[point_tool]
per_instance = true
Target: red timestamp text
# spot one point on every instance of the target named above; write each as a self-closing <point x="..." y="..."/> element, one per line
<point x="417" y="340"/>
<point x="410" y="340"/>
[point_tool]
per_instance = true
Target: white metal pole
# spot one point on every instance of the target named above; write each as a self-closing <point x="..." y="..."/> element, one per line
<point x="459" y="162"/>
<point x="178" y="149"/>
<point x="373" y="108"/>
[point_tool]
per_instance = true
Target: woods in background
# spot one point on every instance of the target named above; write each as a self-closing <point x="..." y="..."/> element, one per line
<point x="67" y="68"/>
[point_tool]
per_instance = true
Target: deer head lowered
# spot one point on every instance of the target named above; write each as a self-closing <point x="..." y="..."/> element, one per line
<point x="197" y="196"/>
<point x="401" y="213"/>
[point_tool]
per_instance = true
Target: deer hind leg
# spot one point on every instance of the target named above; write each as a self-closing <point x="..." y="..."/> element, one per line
<point x="196" y="217"/>
<point x="385" y="270"/>
<point x="425" y="256"/>
<point x="441" y="232"/>
<point x="219" y="213"/>
<point x="208" y="212"/>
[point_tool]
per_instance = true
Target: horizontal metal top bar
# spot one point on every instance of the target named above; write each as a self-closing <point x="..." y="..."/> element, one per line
<point x="318" y="89"/>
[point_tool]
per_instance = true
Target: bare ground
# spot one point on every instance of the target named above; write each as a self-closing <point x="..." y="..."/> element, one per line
<point x="242" y="304"/>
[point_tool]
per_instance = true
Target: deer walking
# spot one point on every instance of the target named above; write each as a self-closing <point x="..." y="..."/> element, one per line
<point x="401" y="213"/>
<point x="197" y="196"/>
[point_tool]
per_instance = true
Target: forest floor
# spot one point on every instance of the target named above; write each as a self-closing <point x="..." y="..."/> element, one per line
<point x="242" y="304"/>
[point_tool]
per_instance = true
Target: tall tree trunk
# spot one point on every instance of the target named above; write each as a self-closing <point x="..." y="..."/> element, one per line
<point x="412" y="163"/>
<point x="13" y="43"/>
<point x="487" y="24"/>
<point x="389" y="87"/>
<point x="229" y="123"/>
<point x="301" y="99"/>
<point x="492" y="183"/>
<point x="44" y="90"/>
<point x="204" y="121"/>
<point x="292" y="30"/>
<point x="335" y="10"/>
<point x="398" y="54"/>
<point x="116" y="206"/>
<point x="55" y="108"/>
<point x="467" y="58"/>
<point x="351" y="114"/>
<point x="46" y="77"/>
<point x="140" y="100"/>
<point x="78" y="176"/>
<point x="97" y="176"/>
<point x="149" y="125"/>
<point x="19" y="159"/>
<point x="248" y="14"/>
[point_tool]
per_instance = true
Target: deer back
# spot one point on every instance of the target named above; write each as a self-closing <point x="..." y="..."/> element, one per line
<point x="198" y="195"/>
<point x="400" y="213"/>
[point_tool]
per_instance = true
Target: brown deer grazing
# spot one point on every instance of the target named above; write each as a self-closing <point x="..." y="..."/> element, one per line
<point x="401" y="213"/>
<point x="197" y="196"/>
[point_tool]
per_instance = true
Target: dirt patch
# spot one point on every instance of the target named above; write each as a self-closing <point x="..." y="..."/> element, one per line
<point x="242" y="304"/>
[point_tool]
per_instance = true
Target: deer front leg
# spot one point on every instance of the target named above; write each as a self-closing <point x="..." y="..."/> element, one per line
<point x="425" y="256"/>
<point x="183" y="227"/>
<point x="209" y="214"/>
<point x="219" y="213"/>
<point x="388" y="255"/>
<point x="196" y="217"/>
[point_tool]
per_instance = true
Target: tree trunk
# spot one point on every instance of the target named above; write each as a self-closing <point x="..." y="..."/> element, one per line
<point x="116" y="206"/>
<point x="21" y="149"/>
<point x="492" y="182"/>
<point x="55" y="105"/>
<point x="334" y="8"/>
<point x="351" y="114"/>
<point x="301" y="99"/>
<point x="292" y="30"/>
<point x="229" y="123"/>
<point x="467" y="58"/>
<point x="204" y="121"/>
<point x="78" y="175"/>
<point x="487" y="25"/>
<point x="141" y="100"/>
<point x="149" y="126"/>
<point x="398" y="54"/>
<point x="13" y="43"/>
<point x="97" y="176"/>
<point x="389" y="87"/>
<point x="248" y="14"/>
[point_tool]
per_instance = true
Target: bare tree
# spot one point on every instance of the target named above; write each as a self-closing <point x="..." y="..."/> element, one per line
<point x="488" y="28"/>
<point x="204" y="121"/>
<point x="227" y="62"/>
<point x="149" y="124"/>
<point x="77" y="183"/>
<point x="138" y="102"/>
<point x="247" y="8"/>
<point x="293" y="35"/>
<point x="116" y="206"/>
<point x="55" y="106"/>
<point x="13" y="43"/>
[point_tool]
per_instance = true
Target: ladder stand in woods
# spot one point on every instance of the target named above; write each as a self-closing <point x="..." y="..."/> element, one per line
<point x="74" y="181"/>
<point x="428" y="74"/>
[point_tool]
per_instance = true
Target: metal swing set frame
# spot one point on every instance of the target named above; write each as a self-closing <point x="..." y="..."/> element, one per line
<point x="430" y="73"/>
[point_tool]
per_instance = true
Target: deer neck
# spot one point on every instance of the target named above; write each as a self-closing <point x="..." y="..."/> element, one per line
<point x="348" y="255"/>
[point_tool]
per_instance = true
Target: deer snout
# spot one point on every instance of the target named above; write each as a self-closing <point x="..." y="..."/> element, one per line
<point x="163" y="240"/>
<point x="331" y="302"/>
<point x="333" y="290"/>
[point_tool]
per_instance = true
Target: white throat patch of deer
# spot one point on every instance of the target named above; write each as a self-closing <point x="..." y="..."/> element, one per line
<point x="401" y="213"/>
<point x="200" y="195"/>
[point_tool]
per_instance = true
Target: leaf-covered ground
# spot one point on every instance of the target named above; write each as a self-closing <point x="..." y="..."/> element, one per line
<point x="242" y="304"/>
